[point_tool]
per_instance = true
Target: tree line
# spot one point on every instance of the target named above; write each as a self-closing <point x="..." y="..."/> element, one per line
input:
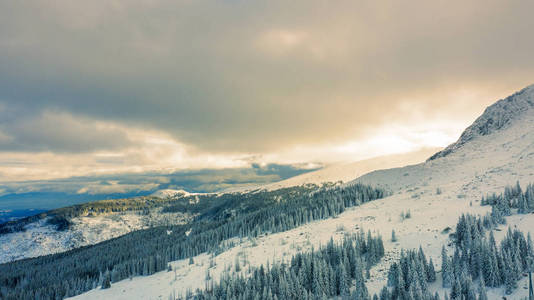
<point x="477" y="262"/>
<point x="334" y="270"/>
<point x="145" y="252"/>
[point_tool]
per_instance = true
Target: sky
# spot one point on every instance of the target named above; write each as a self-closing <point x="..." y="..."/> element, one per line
<point x="31" y="195"/>
<point x="93" y="88"/>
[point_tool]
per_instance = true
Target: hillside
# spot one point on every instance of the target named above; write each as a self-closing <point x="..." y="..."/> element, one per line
<point x="422" y="205"/>
<point x="98" y="221"/>
<point x="497" y="148"/>
<point x="503" y="113"/>
<point x="70" y="227"/>
<point x="435" y="193"/>
<point x="349" y="171"/>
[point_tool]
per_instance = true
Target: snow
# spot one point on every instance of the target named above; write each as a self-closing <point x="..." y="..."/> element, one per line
<point x="484" y="164"/>
<point x="347" y="171"/>
<point x="42" y="239"/>
<point x="383" y="215"/>
<point x="170" y="193"/>
<point x="498" y="115"/>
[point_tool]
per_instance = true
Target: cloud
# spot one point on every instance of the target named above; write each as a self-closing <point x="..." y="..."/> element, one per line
<point x="59" y="132"/>
<point x="112" y="87"/>
<point x="113" y="187"/>
<point x="238" y="76"/>
<point x="281" y="42"/>
<point x="197" y="180"/>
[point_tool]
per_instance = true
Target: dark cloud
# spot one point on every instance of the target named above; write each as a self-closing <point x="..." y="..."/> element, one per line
<point x="283" y="171"/>
<point x="58" y="133"/>
<point x="243" y="76"/>
<point x="48" y="194"/>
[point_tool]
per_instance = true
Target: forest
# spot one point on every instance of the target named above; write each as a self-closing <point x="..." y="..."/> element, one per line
<point x="148" y="251"/>
<point x="478" y="261"/>
<point x="324" y="273"/>
<point x="475" y="262"/>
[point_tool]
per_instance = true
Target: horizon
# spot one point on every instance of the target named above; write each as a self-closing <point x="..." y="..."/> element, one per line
<point x="104" y="90"/>
<point x="234" y="149"/>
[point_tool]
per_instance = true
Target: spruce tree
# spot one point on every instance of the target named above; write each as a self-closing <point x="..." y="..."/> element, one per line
<point x="456" y="289"/>
<point x="431" y="272"/>
<point x="482" y="295"/>
<point x="445" y="268"/>
<point x="384" y="294"/>
<point x="343" y="289"/>
<point x="469" y="290"/>
<point x="106" y="282"/>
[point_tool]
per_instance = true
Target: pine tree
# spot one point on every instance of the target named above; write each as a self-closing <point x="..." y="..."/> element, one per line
<point x="482" y="295"/>
<point x="456" y="289"/>
<point x="431" y="272"/>
<point x="237" y="264"/>
<point x="445" y="268"/>
<point x="343" y="289"/>
<point x="384" y="294"/>
<point x="529" y="195"/>
<point x="522" y="205"/>
<point x="393" y="275"/>
<point x="470" y="292"/>
<point x="530" y="246"/>
<point x="106" y="283"/>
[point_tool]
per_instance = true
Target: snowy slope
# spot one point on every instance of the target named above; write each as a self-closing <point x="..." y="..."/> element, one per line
<point x="170" y="193"/>
<point x="346" y="171"/>
<point x="480" y="162"/>
<point x="350" y="171"/>
<point x="501" y="114"/>
<point x="492" y="156"/>
<point x="40" y="238"/>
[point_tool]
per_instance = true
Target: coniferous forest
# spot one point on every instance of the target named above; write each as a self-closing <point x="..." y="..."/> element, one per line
<point x="338" y="269"/>
<point x="477" y="262"/>
<point x="148" y="251"/>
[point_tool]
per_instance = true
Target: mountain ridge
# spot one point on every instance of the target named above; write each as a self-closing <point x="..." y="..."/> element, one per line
<point x="495" y="117"/>
<point x="424" y="203"/>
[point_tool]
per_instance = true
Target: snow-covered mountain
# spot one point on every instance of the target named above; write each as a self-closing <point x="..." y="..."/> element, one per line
<point x="498" y="116"/>
<point x="170" y="193"/>
<point x="349" y="171"/>
<point x="497" y="150"/>
<point x="41" y="238"/>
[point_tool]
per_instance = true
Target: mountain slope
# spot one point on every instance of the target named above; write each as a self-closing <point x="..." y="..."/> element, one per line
<point x="497" y="147"/>
<point x="346" y="172"/>
<point x="497" y="116"/>
<point x="435" y="192"/>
